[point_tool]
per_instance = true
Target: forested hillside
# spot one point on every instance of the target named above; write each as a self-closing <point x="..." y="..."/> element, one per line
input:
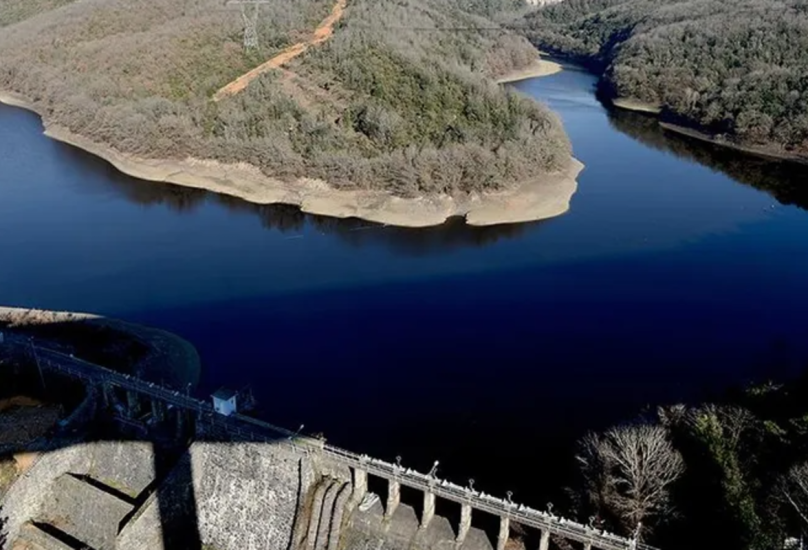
<point x="733" y="67"/>
<point x="401" y="98"/>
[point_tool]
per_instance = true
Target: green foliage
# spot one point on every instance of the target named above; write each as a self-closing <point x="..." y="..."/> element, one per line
<point x="733" y="68"/>
<point x="393" y="101"/>
<point x="442" y="109"/>
<point x="773" y="429"/>
<point x="739" y="499"/>
<point x="764" y="389"/>
<point x="741" y="457"/>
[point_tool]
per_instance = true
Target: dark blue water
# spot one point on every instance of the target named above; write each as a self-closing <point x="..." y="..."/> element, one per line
<point x="680" y="271"/>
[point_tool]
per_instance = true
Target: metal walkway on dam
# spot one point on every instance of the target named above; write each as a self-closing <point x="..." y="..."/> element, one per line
<point x="243" y="428"/>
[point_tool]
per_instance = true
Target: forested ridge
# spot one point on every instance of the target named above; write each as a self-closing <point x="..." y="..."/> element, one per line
<point x="396" y="100"/>
<point x="737" y="69"/>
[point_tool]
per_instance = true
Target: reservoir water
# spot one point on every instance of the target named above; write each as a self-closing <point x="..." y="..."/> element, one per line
<point x="680" y="271"/>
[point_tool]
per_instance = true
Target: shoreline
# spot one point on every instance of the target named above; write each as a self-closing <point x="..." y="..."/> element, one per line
<point x="540" y="67"/>
<point x="633" y="105"/>
<point x="649" y="109"/>
<point x="707" y="138"/>
<point x="629" y="104"/>
<point x="534" y="200"/>
<point x="16" y="100"/>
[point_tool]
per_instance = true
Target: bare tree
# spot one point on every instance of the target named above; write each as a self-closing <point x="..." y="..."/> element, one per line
<point x="628" y="472"/>
<point x="734" y="421"/>
<point x="3" y="536"/>
<point x="794" y="487"/>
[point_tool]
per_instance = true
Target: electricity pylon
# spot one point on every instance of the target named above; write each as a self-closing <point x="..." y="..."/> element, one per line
<point x="250" y="18"/>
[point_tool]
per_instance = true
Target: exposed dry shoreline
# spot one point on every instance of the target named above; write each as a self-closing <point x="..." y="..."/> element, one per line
<point x="757" y="151"/>
<point x="540" y="67"/>
<point x="532" y="200"/>
<point x="647" y="108"/>
<point x="636" y="106"/>
<point x="16" y="100"/>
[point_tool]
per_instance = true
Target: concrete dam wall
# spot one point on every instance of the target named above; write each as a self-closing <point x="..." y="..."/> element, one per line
<point x="159" y="469"/>
<point x="245" y="496"/>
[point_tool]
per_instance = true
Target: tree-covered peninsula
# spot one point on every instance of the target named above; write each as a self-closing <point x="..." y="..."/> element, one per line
<point x="400" y="99"/>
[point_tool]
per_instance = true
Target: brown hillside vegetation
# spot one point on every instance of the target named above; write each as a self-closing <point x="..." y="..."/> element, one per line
<point x="392" y="101"/>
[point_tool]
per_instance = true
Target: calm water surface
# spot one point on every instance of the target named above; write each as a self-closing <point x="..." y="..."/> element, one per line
<point x="679" y="271"/>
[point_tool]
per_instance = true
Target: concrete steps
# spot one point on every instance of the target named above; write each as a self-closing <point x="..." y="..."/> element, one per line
<point x="38" y="537"/>
<point x="85" y="510"/>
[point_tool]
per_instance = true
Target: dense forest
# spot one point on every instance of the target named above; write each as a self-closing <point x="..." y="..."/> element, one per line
<point x="402" y="98"/>
<point x="736" y="69"/>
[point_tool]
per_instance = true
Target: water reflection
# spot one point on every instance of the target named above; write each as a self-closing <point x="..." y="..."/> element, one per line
<point x="290" y="220"/>
<point x="785" y="181"/>
<point x="455" y="233"/>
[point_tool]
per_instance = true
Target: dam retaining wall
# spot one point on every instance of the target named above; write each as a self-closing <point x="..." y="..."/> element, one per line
<point x="169" y="472"/>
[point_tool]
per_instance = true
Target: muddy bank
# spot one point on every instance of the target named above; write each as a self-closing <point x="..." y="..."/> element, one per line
<point x="546" y="197"/>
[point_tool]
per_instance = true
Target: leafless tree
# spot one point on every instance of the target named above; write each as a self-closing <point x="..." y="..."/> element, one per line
<point x="735" y="421"/>
<point x="628" y="472"/>
<point x="3" y="536"/>
<point x="673" y="415"/>
<point x="794" y="487"/>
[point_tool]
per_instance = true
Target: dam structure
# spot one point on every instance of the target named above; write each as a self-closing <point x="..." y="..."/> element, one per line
<point x="172" y="471"/>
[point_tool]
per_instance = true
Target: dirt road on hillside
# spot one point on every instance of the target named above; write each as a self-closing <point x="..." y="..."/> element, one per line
<point x="322" y="33"/>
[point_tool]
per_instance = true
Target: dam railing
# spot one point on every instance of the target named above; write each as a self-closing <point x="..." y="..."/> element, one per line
<point x="246" y="428"/>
